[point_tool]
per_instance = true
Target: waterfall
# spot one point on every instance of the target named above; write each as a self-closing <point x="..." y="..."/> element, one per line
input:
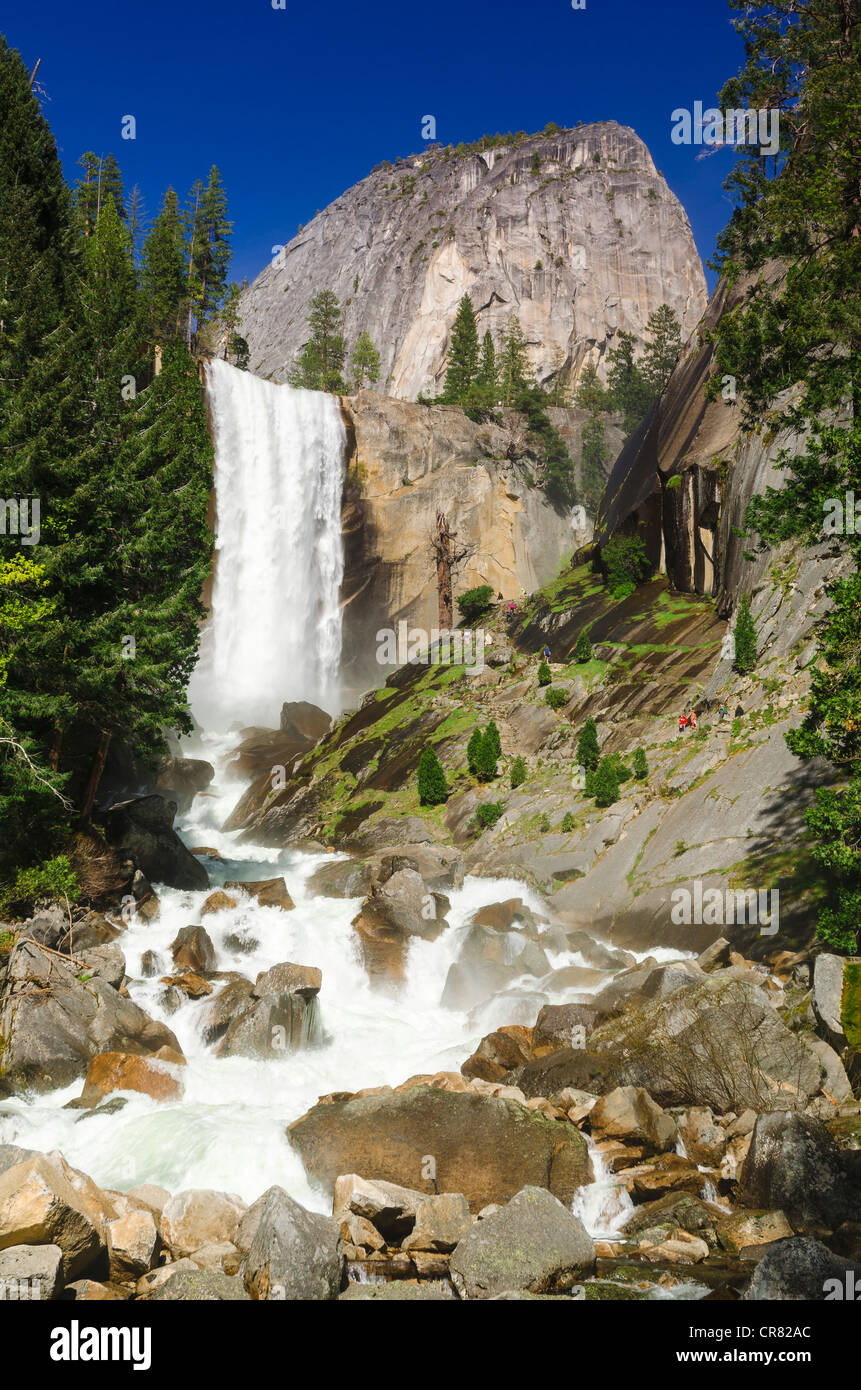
<point x="275" y="629"/>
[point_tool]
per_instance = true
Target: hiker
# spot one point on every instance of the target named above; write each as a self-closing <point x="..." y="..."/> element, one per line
<point x="693" y="719"/>
<point x="546" y="653"/>
<point x="512" y="607"/>
<point x="683" y="723"/>
<point x="723" y="713"/>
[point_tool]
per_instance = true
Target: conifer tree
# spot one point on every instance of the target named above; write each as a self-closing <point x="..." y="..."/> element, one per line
<point x="433" y="788"/>
<point x="320" y="363"/>
<point x="515" y="375"/>
<point x="487" y="380"/>
<point x="462" y="367"/>
<point x="588" y="751"/>
<point x="583" y="647"/>
<point x="163" y="273"/>
<point x="365" y="361"/>
<point x="663" y="345"/>
<point x="744" y="634"/>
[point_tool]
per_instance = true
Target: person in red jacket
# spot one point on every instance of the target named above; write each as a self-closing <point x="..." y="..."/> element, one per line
<point x="683" y="723"/>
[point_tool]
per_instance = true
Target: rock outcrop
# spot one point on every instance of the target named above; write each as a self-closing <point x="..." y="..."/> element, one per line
<point x="574" y="231"/>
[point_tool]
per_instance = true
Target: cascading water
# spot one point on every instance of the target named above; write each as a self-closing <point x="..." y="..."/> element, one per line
<point x="275" y="630"/>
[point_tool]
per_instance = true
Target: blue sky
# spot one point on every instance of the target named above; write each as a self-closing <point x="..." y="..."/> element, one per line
<point x="296" y="105"/>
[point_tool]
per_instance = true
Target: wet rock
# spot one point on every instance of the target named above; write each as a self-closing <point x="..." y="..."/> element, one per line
<point x="288" y="978"/>
<point x="295" y="1254"/>
<point x="562" y="1026"/>
<point x="567" y="1067"/>
<point x="534" y="1245"/>
<point x="181" y="779"/>
<point x="512" y="914"/>
<point x="275" y="1016"/>
<point x="223" y="1008"/>
<point x="482" y="1146"/>
<point x="154" y="1076"/>
<point x="499" y="1053"/>
<point x="31" y="1272"/>
<point x="55" y="1023"/>
<point x="667" y="1173"/>
<point x="393" y="913"/>
<point x="103" y="962"/>
<point x="142" y="830"/>
<point x="716" y="956"/>
<point x="676" y="1209"/>
<point x="746" y="1230"/>
<point x="151" y="964"/>
<point x="192" y="949"/>
<point x="267" y="892"/>
<point x="217" y="902"/>
<point x="679" y="1248"/>
<point x="597" y="953"/>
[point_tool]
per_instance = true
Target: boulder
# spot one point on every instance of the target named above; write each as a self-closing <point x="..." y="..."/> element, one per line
<point x="482" y="1146"/>
<point x="746" y="1230"/>
<point x="200" y="1217"/>
<point x="295" y="1254"/>
<point x="561" y="1026"/>
<point x="668" y="1172"/>
<point x="55" y="1023"/>
<point x="105" y="875"/>
<point x="534" y="1244"/>
<point x="717" y="1043"/>
<point x="154" y="1076"/>
<point x="568" y="1067"/>
<point x="441" y="1223"/>
<point x="197" y="1286"/>
<point x="217" y="902"/>
<point x="801" y="1269"/>
<point x="133" y="1246"/>
<point x="390" y="1208"/>
<point x="181" y="779"/>
<point x="629" y="1113"/>
<point x="512" y="914"/>
<point x="142" y="829"/>
<point x="277" y="1015"/>
<point x="221" y="1256"/>
<point x="267" y="892"/>
<point x="631" y="989"/>
<point x="499" y="1053"/>
<point x="676" y="1209"/>
<point x="31" y="1272"/>
<point x="828" y="974"/>
<point x="192" y="949"/>
<point x="704" y="1140"/>
<point x="39" y="1205"/>
<point x="288" y="978"/>
<point x="716" y="956"/>
<point x="393" y="912"/>
<point x="794" y="1164"/>
<point x="105" y="962"/>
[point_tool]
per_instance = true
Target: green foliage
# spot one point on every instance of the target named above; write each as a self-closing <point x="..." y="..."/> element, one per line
<point x="493" y="740"/>
<point x="583" y="647"/>
<point x="744" y="633"/>
<point x="365" y="361"/>
<point x="603" y="783"/>
<point x="626" y="565"/>
<point x="462" y="361"/>
<point x="54" y="880"/>
<point x="555" y="698"/>
<point x="545" y="675"/>
<point x="640" y="764"/>
<point x="486" y="754"/>
<point x="319" y="365"/>
<point x="588" y="752"/>
<point x="515" y="373"/>
<point x="472" y="750"/>
<point x="518" y="773"/>
<point x="488" y="813"/>
<point x="568" y="823"/>
<point x="557" y="468"/>
<point x="634" y="384"/>
<point x="475" y="602"/>
<point x="433" y="788"/>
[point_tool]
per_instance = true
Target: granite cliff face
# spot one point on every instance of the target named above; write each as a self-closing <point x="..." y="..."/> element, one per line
<point x="406" y="460"/>
<point x="575" y="232"/>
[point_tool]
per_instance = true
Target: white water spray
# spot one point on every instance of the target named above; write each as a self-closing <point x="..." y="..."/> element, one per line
<point x="275" y="630"/>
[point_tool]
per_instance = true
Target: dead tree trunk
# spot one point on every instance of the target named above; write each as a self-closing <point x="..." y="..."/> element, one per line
<point x="95" y="777"/>
<point x="447" y="556"/>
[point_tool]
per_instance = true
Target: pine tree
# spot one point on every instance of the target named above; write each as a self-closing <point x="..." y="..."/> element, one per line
<point x="212" y="247"/>
<point x="604" y="783"/>
<point x="583" y="647"/>
<point x="365" y="361"/>
<point x="486" y="756"/>
<point x="545" y="675"/>
<point x="493" y="740"/>
<point x="744" y="633"/>
<point x="515" y="375"/>
<point x="472" y="751"/>
<point x="518" y="773"/>
<point x="462" y="367"/>
<point x="588" y="752"/>
<point x="663" y="345"/>
<point x="640" y="764"/>
<point x="487" y="380"/>
<point x="164" y="277"/>
<point x="433" y="788"/>
<point x="320" y="363"/>
<point x="630" y="392"/>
